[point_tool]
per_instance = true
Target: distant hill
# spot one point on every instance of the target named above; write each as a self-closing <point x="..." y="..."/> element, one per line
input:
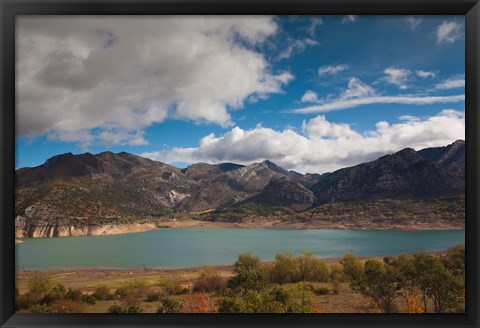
<point x="104" y="188"/>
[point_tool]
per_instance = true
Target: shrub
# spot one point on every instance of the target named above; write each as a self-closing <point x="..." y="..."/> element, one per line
<point x="249" y="273"/>
<point x="352" y="266"/>
<point x="58" y="292"/>
<point x="152" y="297"/>
<point x="229" y="305"/>
<point x="454" y="261"/>
<point x="135" y="288"/>
<point x="310" y="268"/>
<point x="284" y="269"/>
<point x="322" y="291"/>
<point x="170" y="305"/>
<point x="39" y="285"/>
<point x="175" y="288"/>
<point x="102" y="294"/>
<point x="67" y="306"/>
<point x="300" y="299"/>
<point x="437" y="283"/>
<point x="74" y="294"/>
<point x="116" y="308"/>
<point x="89" y="299"/>
<point x="209" y="281"/>
<point x="40" y="308"/>
<point x="380" y="283"/>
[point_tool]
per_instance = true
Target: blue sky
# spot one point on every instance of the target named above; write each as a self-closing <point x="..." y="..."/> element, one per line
<point x="312" y="94"/>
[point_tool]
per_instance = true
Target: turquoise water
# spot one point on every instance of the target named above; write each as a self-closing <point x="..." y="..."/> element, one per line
<point x="180" y="248"/>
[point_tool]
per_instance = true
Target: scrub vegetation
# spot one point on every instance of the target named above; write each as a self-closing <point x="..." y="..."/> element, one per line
<point x="414" y="283"/>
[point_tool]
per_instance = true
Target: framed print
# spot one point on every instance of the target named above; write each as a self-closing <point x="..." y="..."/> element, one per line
<point x="201" y="163"/>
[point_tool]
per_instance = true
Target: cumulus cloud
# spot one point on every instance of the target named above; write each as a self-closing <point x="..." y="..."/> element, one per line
<point x="324" y="146"/>
<point x="413" y="22"/>
<point x="453" y="83"/>
<point x="332" y="69"/>
<point x="397" y="76"/>
<point x="449" y="32"/>
<point x="90" y="79"/>
<point x="425" y="74"/>
<point x="358" y="94"/>
<point x="349" y="19"/>
<point x="309" y="96"/>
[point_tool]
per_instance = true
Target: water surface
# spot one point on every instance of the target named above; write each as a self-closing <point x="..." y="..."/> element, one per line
<point x="181" y="248"/>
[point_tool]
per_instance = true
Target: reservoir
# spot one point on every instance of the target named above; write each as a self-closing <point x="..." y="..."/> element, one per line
<point x="182" y="248"/>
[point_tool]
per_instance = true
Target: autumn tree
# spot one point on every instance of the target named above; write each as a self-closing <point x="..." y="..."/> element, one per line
<point x="379" y="282"/>
<point x="248" y="273"/>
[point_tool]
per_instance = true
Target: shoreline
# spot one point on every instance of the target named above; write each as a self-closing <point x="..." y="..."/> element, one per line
<point x="117" y="229"/>
<point x="88" y="279"/>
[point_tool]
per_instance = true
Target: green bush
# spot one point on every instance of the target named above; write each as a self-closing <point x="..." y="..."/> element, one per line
<point x="311" y="269"/>
<point x="322" y="291"/>
<point x="284" y="269"/>
<point x="102" y="294"/>
<point x="116" y="308"/>
<point x="170" y="305"/>
<point x="152" y="297"/>
<point x="229" y="305"/>
<point x="135" y="288"/>
<point x="89" y="299"/>
<point x="74" y="294"/>
<point x="40" y="308"/>
<point x="249" y="273"/>
<point x="209" y="281"/>
<point x="175" y="288"/>
<point x="39" y="285"/>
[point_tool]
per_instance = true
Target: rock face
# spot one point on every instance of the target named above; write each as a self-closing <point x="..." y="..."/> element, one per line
<point x="72" y="194"/>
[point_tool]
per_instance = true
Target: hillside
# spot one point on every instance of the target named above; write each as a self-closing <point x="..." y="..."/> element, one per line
<point x="77" y="191"/>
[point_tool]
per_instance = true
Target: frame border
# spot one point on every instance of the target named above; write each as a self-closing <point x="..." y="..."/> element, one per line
<point x="11" y="8"/>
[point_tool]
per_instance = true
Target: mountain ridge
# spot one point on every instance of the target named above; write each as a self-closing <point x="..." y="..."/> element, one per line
<point x="106" y="188"/>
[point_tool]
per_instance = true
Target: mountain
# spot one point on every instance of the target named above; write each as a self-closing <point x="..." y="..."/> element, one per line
<point x="451" y="157"/>
<point x="107" y="188"/>
<point x="284" y="192"/>
<point x="406" y="174"/>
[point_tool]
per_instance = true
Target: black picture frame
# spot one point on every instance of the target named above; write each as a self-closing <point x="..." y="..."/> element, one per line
<point x="9" y="9"/>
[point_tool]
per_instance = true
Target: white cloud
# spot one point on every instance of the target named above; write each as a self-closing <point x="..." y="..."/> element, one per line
<point x="453" y="83"/>
<point x="309" y="96"/>
<point x="357" y="89"/>
<point x="324" y="146"/>
<point x="332" y="70"/>
<point x="296" y="46"/>
<point x="410" y="118"/>
<point x="413" y="22"/>
<point x="349" y="19"/>
<point x="449" y="32"/>
<point x="356" y="102"/>
<point x="397" y="76"/>
<point x="359" y="94"/>
<point x="314" y="23"/>
<point x="425" y="74"/>
<point x="106" y="79"/>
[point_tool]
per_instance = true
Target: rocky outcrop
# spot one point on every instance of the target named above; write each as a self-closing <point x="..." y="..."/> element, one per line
<point x="24" y="229"/>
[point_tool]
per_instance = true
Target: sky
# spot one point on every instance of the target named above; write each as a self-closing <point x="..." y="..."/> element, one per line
<point x="309" y="93"/>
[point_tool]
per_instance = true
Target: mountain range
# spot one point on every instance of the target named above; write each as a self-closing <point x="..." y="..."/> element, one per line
<point x="91" y="189"/>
